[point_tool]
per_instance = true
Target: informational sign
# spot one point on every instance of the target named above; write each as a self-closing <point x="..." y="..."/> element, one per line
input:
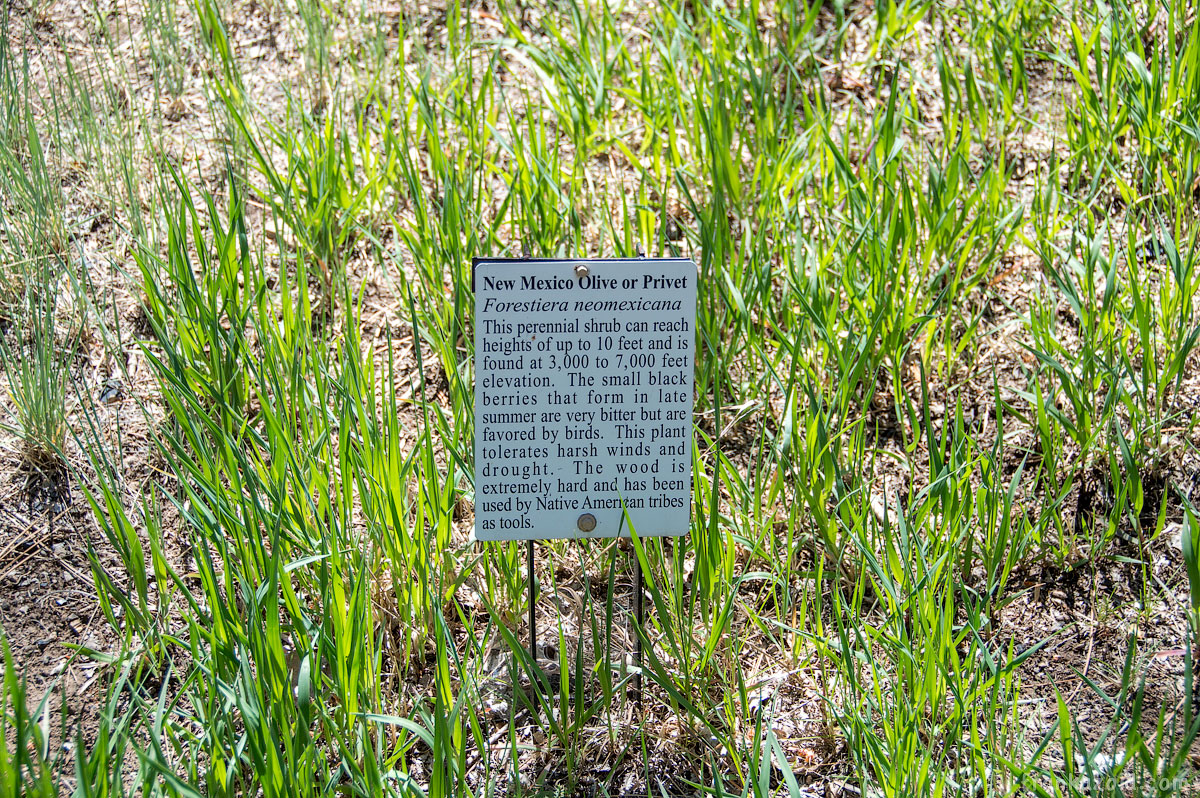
<point x="583" y="397"/>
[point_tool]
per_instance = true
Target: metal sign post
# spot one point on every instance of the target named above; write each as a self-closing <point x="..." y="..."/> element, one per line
<point x="641" y="617"/>
<point x="532" y="603"/>
<point x="584" y="379"/>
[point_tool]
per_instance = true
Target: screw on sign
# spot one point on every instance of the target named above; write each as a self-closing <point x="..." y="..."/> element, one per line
<point x="583" y="399"/>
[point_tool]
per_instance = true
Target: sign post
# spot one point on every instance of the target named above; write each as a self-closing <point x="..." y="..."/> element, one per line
<point x="584" y="373"/>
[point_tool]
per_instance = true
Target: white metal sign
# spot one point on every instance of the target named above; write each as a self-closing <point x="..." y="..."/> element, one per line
<point x="583" y="397"/>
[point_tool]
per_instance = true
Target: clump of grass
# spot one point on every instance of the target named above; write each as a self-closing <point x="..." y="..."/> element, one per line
<point x="36" y="352"/>
<point x="33" y="245"/>
<point x="25" y="764"/>
<point x="39" y="377"/>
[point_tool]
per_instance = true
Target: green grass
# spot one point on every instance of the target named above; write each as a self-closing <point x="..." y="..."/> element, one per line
<point x="34" y="252"/>
<point x="945" y="362"/>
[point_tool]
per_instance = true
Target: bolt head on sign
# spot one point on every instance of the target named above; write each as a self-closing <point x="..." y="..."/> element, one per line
<point x="584" y="375"/>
